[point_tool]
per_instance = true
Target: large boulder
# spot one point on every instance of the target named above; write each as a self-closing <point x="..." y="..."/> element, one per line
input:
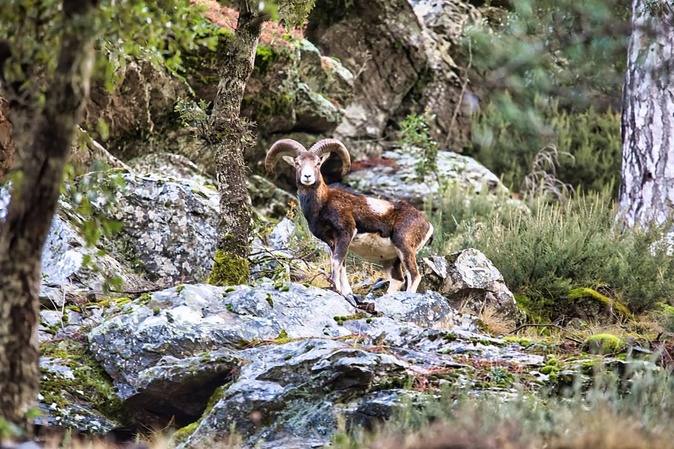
<point x="294" y="88"/>
<point x="467" y="278"/>
<point x="406" y="58"/>
<point x="141" y="101"/>
<point x="281" y="360"/>
<point x="168" y="226"/>
<point x="394" y="177"/>
<point x="70" y="267"/>
<point x="189" y="320"/>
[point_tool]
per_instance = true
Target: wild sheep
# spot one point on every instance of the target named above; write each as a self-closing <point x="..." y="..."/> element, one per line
<point x="390" y="233"/>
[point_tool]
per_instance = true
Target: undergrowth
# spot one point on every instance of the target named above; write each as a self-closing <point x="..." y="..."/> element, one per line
<point x="555" y="248"/>
<point x="507" y="141"/>
<point x="605" y="416"/>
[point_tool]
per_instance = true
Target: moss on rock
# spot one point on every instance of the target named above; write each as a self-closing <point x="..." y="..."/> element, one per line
<point x="91" y="383"/>
<point x="588" y="294"/>
<point x="229" y="269"/>
<point x="603" y="344"/>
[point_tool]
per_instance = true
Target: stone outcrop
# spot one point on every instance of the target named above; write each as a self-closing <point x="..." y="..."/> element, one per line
<point x="282" y="360"/>
<point x="468" y="279"/>
<point x="394" y="177"/>
<point x="405" y="57"/>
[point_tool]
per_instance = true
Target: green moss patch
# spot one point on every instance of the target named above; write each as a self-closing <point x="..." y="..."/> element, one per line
<point x="229" y="269"/>
<point x="91" y="383"/>
<point x="603" y="344"/>
<point x="588" y="294"/>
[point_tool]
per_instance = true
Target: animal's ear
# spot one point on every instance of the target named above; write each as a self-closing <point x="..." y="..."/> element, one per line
<point x="290" y="160"/>
<point x="325" y="157"/>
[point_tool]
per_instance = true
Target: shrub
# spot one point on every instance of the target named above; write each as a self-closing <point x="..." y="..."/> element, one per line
<point x="557" y="248"/>
<point x="507" y="142"/>
<point x="605" y="416"/>
<point x="415" y="137"/>
<point x="455" y="216"/>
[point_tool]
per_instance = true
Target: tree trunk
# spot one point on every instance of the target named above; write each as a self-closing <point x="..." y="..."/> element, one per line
<point x="647" y="188"/>
<point x="230" y="135"/>
<point x="34" y="198"/>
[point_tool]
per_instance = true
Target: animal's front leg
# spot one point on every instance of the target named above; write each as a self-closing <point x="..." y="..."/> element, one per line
<point x="344" y="280"/>
<point x="338" y="269"/>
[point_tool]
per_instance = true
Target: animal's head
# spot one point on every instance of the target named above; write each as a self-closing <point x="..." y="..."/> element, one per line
<point x="307" y="163"/>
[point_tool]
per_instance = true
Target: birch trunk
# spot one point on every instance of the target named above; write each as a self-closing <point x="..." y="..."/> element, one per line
<point x="647" y="187"/>
<point x="34" y="198"/>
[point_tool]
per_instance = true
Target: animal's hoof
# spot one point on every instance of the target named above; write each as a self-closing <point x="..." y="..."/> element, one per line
<point x="379" y="284"/>
<point x="354" y="300"/>
<point x="367" y="307"/>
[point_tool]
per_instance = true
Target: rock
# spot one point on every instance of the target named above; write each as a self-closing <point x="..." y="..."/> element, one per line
<point x="396" y="179"/>
<point x="427" y="310"/>
<point x="86" y="155"/>
<point x="142" y="100"/>
<point x="294" y="88"/>
<point x="282" y="364"/>
<point x="192" y="319"/>
<point x="191" y="381"/>
<point x="268" y="200"/>
<point x="168" y="226"/>
<point x="66" y="400"/>
<point x="406" y="57"/>
<point x="65" y="275"/>
<point x="323" y="73"/>
<point x="468" y="278"/>
<point x="315" y="112"/>
<point x="282" y="384"/>
<point x="172" y="166"/>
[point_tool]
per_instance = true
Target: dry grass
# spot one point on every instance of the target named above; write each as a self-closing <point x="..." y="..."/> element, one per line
<point x="593" y="430"/>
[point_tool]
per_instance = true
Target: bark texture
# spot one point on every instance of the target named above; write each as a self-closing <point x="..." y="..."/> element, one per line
<point x="230" y="134"/>
<point x="34" y="198"/>
<point x="6" y="144"/>
<point x="647" y="187"/>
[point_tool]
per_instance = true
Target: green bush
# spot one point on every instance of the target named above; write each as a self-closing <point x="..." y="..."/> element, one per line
<point x="548" y="72"/>
<point x="455" y="216"/>
<point x="507" y="141"/>
<point x="557" y="248"/>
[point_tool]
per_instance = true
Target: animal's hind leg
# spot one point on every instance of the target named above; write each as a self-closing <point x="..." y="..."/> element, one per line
<point x="408" y="243"/>
<point x="393" y="270"/>
<point x="409" y="266"/>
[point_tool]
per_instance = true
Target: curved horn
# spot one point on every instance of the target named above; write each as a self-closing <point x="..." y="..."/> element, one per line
<point x="335" y="146"/>
<point x="281" y="148"/>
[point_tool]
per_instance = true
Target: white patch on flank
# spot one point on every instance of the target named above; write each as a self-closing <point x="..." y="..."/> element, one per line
<point x="380" y="207"/>
<point x="373" y="248"/>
